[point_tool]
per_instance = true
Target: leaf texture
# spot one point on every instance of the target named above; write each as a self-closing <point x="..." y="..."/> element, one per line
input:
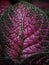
<point x="24" y="31"/>
<point x="38" y="59"/>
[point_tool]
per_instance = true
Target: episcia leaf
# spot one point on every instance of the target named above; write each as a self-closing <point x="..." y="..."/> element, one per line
<point x="38" y="59"/>
<point x="4" y="4"/>
<point x="23" y="31"/>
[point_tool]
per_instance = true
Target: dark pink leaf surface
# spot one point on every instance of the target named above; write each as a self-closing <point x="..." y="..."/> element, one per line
<point x="24" y="30"/>
<point x="39" y="59"/>
<point x="4" y="4"/>
<point x="42" y="5"/>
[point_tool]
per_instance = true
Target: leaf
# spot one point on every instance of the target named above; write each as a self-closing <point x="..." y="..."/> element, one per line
<point x="23" y="27"/>
<point x="4" y="4"/>
<point x="38" y="59"/>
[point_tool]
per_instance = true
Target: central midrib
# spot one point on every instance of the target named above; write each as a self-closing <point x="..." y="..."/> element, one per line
<point x="22" y="28"/>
